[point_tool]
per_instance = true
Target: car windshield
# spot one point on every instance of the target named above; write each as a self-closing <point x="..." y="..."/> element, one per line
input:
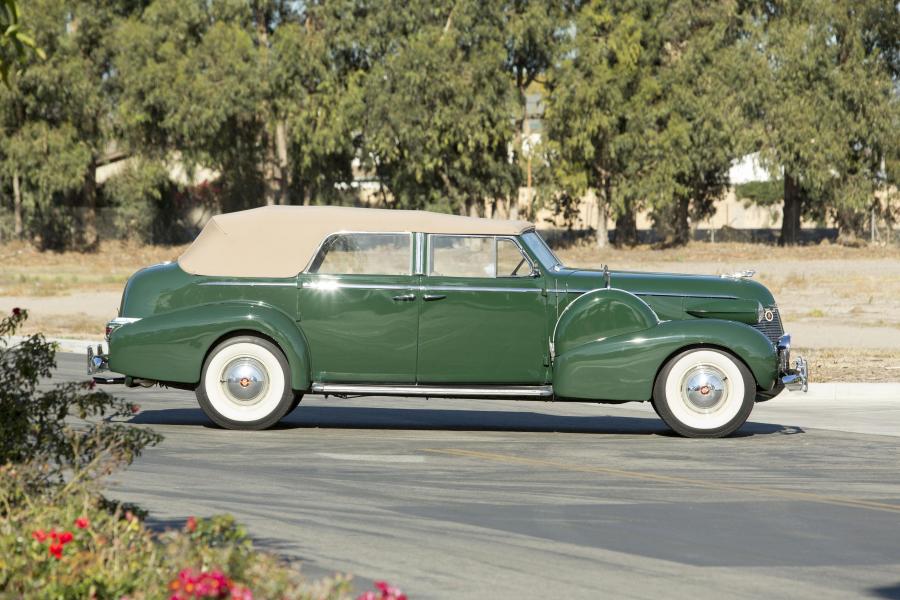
<point x="541" y="250"/>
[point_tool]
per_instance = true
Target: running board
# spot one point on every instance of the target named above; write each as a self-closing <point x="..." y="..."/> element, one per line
<point x="461" y="391"/>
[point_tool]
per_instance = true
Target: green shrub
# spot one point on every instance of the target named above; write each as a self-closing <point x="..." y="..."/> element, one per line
<point x="64" y="432"/>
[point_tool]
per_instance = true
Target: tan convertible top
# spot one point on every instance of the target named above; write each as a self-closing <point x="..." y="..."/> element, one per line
<point x="279" y="241"/>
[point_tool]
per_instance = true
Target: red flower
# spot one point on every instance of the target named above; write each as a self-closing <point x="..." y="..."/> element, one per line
<point x="82" y="523"/>
<point x="191" y="524"/>
<point x="56" y="550"/>
<point x="65" y="537"/>
<point x="40" y="535"/>
<point x="16" y="311"/>
<point x="135" y="409"/>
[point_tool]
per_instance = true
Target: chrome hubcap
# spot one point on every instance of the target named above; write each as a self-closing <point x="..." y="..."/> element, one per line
<point x="704" y="388"/>
<point x="245" y="380"/>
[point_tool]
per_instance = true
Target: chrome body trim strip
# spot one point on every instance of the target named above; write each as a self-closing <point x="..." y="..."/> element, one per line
<point x="328" y="285"/>
<point x="251" y="283"/>
<point x="123" y="320"/>
<point x="661" y="294"/>
<point x="478" y="288"/>
<point x="537" y="391"/>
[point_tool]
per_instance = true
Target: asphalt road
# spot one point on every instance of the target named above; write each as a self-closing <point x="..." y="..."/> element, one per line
<point x="499" y="499"/>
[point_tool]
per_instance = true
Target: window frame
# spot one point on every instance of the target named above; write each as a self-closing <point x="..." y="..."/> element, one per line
<point x="410" y="267"/>
<point x="429" y="259"/>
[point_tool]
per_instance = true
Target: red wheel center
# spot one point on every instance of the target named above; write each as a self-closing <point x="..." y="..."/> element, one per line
<point x="704" y="390"/>
<point x="245" y="381"/>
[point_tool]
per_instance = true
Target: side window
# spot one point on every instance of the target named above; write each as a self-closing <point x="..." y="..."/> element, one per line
<point x="462" y="256"/>
<point x="476" y="256"/>
<point x="364" y="254"/>
<point x="510" y="260"/>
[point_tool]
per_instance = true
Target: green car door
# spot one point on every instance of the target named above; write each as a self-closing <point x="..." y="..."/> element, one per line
<point x="483" y="313"/>
<point x="358" y="309"/>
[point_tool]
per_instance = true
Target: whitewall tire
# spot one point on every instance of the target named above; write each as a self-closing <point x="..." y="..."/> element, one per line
<point x="704" y="393"/>
<point x="246" y="384"/>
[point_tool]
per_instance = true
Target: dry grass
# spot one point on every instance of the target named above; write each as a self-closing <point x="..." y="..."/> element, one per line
<point x="867" y="365"/>
<point x="25" y="271"/>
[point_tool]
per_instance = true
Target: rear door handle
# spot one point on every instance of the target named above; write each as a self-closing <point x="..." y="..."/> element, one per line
<point x="404" y="298"/>
<point x="432" y="297"/>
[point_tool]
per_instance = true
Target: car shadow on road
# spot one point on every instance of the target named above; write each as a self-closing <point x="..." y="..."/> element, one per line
<point x="415" y="419"/>
<point x="892" y="592"/>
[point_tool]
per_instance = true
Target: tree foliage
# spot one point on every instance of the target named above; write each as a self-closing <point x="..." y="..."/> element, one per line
<point x="423" y="105"/>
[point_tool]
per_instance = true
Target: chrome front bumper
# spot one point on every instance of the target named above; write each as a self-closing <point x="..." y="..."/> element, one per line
<point x="794" y="378"/>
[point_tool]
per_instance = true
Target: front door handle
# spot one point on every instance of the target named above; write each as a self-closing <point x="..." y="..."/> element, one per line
<point x="432" y="297"/>
<point x="404" y="298"/>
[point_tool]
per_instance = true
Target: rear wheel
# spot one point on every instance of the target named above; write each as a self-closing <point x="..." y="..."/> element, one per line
<point x="246" y="384"/>
<point x="704" y="393"/>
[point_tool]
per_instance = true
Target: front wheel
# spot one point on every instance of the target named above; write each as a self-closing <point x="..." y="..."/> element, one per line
<point x="246" y="384"/>
<point x="704" y="393"/>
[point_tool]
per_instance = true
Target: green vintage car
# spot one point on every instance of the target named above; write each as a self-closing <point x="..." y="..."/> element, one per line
<point x="272" y="303"/>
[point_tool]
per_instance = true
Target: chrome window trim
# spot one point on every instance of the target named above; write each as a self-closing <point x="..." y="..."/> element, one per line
<point x="419" y="254"/>
<point x="430" y="262"/>
<point x="312" y="259"/>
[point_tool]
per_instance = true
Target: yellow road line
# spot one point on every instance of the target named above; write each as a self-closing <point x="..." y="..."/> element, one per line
<point x="669" y="479"/>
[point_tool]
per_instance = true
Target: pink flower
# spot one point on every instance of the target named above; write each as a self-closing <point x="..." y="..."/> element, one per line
<point x="135" y="409"/>
<point x="82" y="523"/>
<point x="387" y="592"/>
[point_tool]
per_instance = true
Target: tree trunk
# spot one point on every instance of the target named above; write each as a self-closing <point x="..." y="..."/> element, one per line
<point x="17" y="206"/>
<point x="790" y="221"/>
<point x="626" y="227"/>
<point x="281" y="151"/>
<point x="603" y="214"/>
<point x="681" y="228"/>
<point x="89" y="199"/>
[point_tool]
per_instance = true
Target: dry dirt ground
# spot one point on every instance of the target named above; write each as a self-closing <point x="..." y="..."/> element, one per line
<point x="842" y="305"/>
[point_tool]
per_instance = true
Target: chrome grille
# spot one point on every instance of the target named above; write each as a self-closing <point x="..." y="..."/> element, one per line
<point x="771" y="329"/>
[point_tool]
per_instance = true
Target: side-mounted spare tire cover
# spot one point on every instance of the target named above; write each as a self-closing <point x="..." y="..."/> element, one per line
<point x="601" y="314"/>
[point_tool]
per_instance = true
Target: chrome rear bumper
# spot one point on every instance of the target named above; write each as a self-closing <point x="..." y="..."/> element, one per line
<point x="794" y="378"/>
<point x="98" y="362"/>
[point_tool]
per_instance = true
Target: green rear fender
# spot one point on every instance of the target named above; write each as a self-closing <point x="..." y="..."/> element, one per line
<point x="172" y="346"/>
<point x="623" y="366"/>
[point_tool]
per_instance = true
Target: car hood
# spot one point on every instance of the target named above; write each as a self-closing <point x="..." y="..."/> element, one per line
<point x="669" y="284"/>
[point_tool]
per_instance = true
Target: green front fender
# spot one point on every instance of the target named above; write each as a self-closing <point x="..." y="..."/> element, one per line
<point x="172" y="346"/>
<point x="623" y="368"/>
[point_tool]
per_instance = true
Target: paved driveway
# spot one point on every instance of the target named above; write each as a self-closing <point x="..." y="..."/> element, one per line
<point x="498" y="499"/>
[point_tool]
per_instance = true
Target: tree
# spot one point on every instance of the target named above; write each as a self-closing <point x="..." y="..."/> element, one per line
<point x="822" y="93"/>
<point x="693" y="124"/>
<point x="58" y="116"/>
<point x="532" y="29"/>
<point x="592" y="88"/>
<point x="436" y="126"/>
<point x="14" y="41"/>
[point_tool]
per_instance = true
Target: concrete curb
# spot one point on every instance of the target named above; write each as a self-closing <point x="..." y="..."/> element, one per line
<point x="65" y="344"/>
